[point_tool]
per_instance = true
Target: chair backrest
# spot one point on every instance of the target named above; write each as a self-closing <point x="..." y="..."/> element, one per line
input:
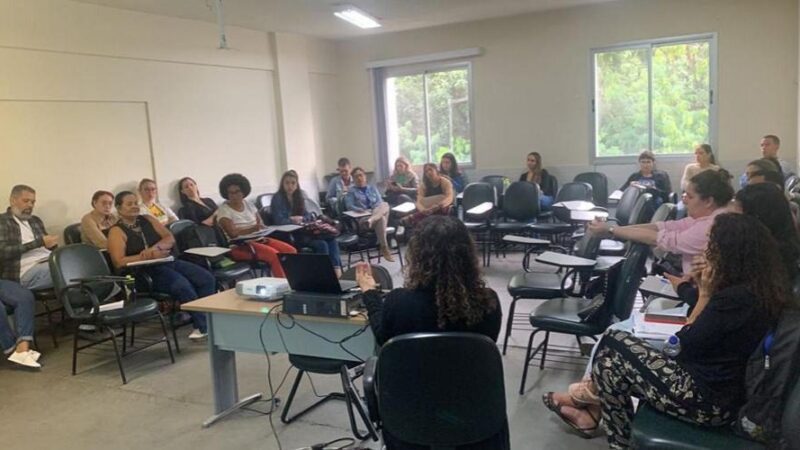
<point x="790" y="181"/>
<point x="499" y="182"/>
<point x="642" y="210"/>
<point x="263" y="200"/>
<point x="599" y="182"/>
<point x="521" y="201"/>
<point x="588" y="246"/>
<point x="790" y="424"/>
<point x="419" y="406"/>
<point x="312" y="206"/>
<point x="626" y="204"/>
<point x="73" y="262"/>
<point x="379" y="273"/>
<point x="626" y="284"/>
<point x="477" y="193"/>
<point x="575" y="190"/>
<point x="266" y="214"/>
<point x="664" y="212"/>
<point x="72" y="234"/>
<point x="180" y="226"/>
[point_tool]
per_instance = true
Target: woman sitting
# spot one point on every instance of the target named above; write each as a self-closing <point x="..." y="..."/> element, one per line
<point x="289" y="206"/>
<point x="148" y="193"/>
<point x="139" y="237"/>
<point x="763" y="171"/>
<point x="402" y="184"/>
<point x="704" y="160"/>
<point x="434" y="196"/>
<point x="742" y="291"/>
<point x="365" y="198"/>
<point x="548" y="185"/>
<point x="238" y="217"/>
<point x="200" y="210"/>
<point x="96" y="223"/>
<point x="654" y="181"/>
<point x="448" y="166"/>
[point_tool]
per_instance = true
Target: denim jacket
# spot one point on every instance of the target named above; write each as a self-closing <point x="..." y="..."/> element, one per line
<point x="359" y="200"/>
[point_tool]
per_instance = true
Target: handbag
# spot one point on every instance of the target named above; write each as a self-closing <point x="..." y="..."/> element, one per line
<point x="319" y="229"/>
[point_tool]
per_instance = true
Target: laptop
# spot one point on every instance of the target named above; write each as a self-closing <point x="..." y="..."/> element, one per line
<point x="313" y="272"/>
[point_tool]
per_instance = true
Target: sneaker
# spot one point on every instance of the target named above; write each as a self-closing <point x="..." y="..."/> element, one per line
<point x="197" y="335"/>
<point x="35" y="355"/>
<point x="87" y="327"/>
<point x="24" y="359"/>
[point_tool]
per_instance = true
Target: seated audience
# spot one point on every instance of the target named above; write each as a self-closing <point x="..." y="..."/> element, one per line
<point x="238" y="217"/>
<point x="289" y="206"/>
<point x="148" y="193"/>
<point x="706" y="196"/>
<point x="654" y="181"/>
<point x="435" y="195"/>
<point x="770" y="145"/>
<point x="363" y="197"/>
<point x="704" y="160"/>
<point x="96" y="223"/>
<point x="200" y="210"/>
<point x="402" y="184"/>
<point x="24" y="243"/>
<point x="448" y="166"/>
<point x="548" y="185"/>
<point x="339" y="185"/>
<point x="763" y="171"/>
<point x="16" y="343"/>
<point x="139" y="237"/>
<point x="742" y="291"/>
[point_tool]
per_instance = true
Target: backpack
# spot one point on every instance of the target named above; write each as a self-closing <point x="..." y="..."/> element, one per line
<point x="772" y="370"/>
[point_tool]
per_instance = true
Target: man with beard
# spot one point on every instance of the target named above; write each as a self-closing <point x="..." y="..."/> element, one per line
<point x="24" y="243"/>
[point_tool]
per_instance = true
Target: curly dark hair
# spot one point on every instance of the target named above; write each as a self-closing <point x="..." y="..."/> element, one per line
<point x="298" y="202"/>
<point x="767" y="203"/>
<point x="442" y="258"/>
<point x="234" y="179"/>
<point x="742" y="252"/>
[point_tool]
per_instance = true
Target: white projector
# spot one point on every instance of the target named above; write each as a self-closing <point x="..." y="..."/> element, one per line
<point x="264" y="289"/>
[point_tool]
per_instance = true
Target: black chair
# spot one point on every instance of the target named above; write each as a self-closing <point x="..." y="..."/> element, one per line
<point x="499" y="182"/>
<point x="569" y="192"/>
<point x="190" y="235"/>
<point x="50" y="305"/>
<point x="641" y="212"/>
<point x="560" y="315"/>
<point x="622" y="215"/>
<point x="411" y="400"/>
<point x="326" y="366"/>
<point x="263" y="200"/>
<point x="72" y="234"/>
<point x="357" y="239"/>
<point x="599" y="183"/>
<point x="479" y="225"/>
<point x="82" y="278"/>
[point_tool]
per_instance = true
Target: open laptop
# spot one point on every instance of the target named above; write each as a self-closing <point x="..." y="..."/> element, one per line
<point x="313" y="272"/>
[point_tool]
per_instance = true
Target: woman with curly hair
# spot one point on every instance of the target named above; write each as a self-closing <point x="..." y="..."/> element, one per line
<point x="444" y="289"/>
<point x="238" y="217"/>
<point x="742" y="291"/>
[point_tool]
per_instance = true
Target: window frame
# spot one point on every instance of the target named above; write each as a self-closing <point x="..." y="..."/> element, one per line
<point x="424" y="69"/>
<point x="711" y="38"/>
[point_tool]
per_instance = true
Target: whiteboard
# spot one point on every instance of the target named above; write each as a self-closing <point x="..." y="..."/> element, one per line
<point x="67" y="150"/>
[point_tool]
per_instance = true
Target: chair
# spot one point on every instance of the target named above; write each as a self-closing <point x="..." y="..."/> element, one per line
<point x="263" y="200"/>
<point x="45" y="297"/>
<point x="476" y="194"/>
<point x="81" y="278"/>
<point x="599" y="183"/>
<point x="191" y="235"/>
<point x="570" y="191"/>
<point x="356" y="239"/>
<point x="72" y="234"/>
<point x="327" y="366"/>
<point x="414" y="404"/>
<point x="560" y="315"/>
<point x="499" y="182"/>
<point x="641" y="212"/>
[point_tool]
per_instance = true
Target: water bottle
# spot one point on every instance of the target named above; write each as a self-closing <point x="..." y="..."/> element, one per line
<point x="672" y="346"/>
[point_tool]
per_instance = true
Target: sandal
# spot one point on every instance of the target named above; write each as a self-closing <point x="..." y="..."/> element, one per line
<point x="582" y="394"/>
<point x="586" y="433"/>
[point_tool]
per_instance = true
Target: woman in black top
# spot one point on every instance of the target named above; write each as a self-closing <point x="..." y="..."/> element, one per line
<point x="743" y="289"/>
<point x="655" y="181"/>
<point x="548" y="185"/>
<point x="199" y="210"/>
<point x="140" y="238"/>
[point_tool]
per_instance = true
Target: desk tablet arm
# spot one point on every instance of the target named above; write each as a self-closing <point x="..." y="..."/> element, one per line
<point x="85" y="292"/>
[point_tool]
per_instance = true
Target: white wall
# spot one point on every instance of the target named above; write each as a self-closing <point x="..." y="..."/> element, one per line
<point x="531" y="85"/>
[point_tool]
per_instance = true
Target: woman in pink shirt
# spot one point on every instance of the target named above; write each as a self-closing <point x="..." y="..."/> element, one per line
<point x="707" y="194"/>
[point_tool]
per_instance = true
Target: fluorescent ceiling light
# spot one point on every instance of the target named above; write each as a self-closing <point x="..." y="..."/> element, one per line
<point x="357" y="17"/>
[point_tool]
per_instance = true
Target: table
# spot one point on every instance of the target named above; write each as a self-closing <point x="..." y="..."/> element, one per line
<point x="233" y="326"/>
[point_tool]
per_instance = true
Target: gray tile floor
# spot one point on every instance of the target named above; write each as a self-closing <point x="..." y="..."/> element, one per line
<point x="163" y="405"/>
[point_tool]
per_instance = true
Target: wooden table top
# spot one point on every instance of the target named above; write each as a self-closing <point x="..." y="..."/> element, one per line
<point x="231" y="303"/>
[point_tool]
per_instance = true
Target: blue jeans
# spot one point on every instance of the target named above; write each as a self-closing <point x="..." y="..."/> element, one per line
<point x="37" y="277"/>
<point x="184" y="282"/>
<point x="546" y="202"/>
<point x="21" y="302"/>
<point x="328" y="247"/>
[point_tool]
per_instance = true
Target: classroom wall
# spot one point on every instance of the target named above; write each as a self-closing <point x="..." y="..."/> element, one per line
<point x="532" y="89"/>
<point x="205" y="112"/>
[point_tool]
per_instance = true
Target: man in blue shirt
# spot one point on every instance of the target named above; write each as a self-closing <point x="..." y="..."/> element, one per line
<point x="340" y="184"/>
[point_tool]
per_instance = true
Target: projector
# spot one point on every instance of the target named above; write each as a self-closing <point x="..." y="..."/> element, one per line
<point x="264" y="289"/>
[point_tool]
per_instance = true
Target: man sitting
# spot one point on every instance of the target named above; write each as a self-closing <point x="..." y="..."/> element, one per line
<point x="17" y="345"/>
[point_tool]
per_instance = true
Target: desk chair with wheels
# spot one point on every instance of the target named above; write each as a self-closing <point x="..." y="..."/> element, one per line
<point x="327" y="366"/>
<point x="81" y="277"/>
<point x="415" y="404"/>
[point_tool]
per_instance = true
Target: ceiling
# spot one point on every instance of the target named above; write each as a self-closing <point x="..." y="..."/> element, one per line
<point x="315" y="17"/>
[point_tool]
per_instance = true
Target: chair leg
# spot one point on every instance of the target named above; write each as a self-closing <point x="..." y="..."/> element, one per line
<point x="285" y="418"/>
<point x="509" y="322"/>
<point x="166" y="337"/>
<point x="125" y="339"/>
<point x="116" y="353"/>
<point x="174" y="333"/>
<point x="354" y="403"/>
<point x="50" y="323"/>
<point x="527" y="361"/>
<point x="133" y="333"/>
<point x="75" y="349"/>
<point x="544" y="349"/>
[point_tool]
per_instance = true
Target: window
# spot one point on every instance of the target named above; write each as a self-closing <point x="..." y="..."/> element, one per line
<point x="428" y="113"/>
<point x="655" y="95"/>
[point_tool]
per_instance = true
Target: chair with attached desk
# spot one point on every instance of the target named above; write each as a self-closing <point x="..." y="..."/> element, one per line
<point x="563" y="225"/>
<point x="414" y="404"/>
<point x="357" y="239"/>
<point x="82" y="278"/>
<point x="72" y="234"/>
<point x="479" y="222"/>
<point x="499" y="183"/>
<point x="599" y="182"/>
<point x="189" y="235"/>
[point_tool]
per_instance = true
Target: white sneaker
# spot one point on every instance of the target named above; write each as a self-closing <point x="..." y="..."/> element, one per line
<point x="35" y="355"/>
<point x="24" y="359"/>
<point x="197" y="335"/>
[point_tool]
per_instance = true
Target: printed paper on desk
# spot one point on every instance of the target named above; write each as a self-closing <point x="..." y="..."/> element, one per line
<point x="616" y="195"/>
<point x="406" y="207"/>
<point x="652" y="330"/>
